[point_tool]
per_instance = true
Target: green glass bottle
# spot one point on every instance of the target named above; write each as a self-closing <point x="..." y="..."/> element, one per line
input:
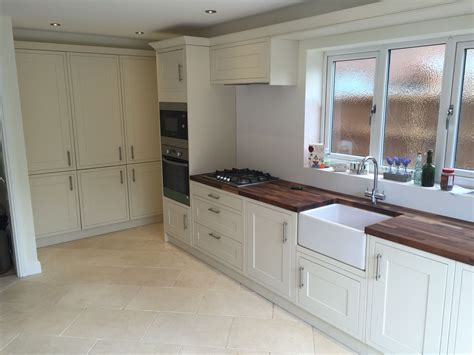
<point x="428" y="173"/>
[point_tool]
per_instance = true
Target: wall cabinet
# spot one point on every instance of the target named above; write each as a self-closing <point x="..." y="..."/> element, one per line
<point x="408" y="299"/>
<point x="140" y="106"/>
<point x="177" y="220"/>
<point x="144" y="181"/>
<point x="104" y="196"/>
<point x="271" y="241"/>
<point x="461" y="331"/>
<point x="47" y="120"/>
<point x="333" y="294"/>
<point x="55" y="203"/>
<point x="172" y="76"/>
<point x="264" y="60"/>
<point x="97" y="109"/>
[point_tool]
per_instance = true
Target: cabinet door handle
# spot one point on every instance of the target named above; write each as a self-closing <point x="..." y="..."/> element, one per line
<point x="121" y="177"/>
<point x="213" y="210"/>
<point x="133" y="175"/>
<point x="69" y="161"/>
<point x="377" y="267"/>
<point x="71" y="186"/>
<point x="120" y="153"/>
<point x="185" y="221"/>
<point x="180" y="69"/>
<point x="214" y="196"/>
<point x="132" y="152"/>
<point x="285" y="232"/>
<point x="301" y="285"/>
<point x="214" y="236"/>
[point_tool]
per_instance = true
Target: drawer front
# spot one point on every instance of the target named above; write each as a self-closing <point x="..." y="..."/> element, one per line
<point x="330" y="295"/>
<point x="219" y="219"/>
<point x="223" y="248"/>
<point x="217" y="196"/>
<point x="176" y="221"/>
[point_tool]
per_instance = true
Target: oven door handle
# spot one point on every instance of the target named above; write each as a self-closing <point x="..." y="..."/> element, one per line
<point x="175" y="162"/>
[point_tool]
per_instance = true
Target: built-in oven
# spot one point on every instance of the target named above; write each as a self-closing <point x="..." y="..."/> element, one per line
<point x="174" y="124"/>
<point x="175" y="174"/>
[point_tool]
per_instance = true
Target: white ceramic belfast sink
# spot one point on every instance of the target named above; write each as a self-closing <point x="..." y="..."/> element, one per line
<point x="337" y="231"/>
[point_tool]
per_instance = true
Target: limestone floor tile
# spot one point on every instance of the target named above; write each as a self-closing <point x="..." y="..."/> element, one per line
<point x="155" y="230"/>
<point x="142" y="276"/>
<point x="166" y="259"/>
<point x="79" y="274"/>
<point x="7" y="281"/>
<point x="121" y="241"/>
<point x="323" y="344"/>
<point x="197" y="278"/>
<point x="188" y="350"/>
<point x="223" y="282"/>
<point x="47" y="320"/>
<point x="242" y="303"/>
<point x="6" y="337"/>
<point x="279" y="313"/>
<point x="189" y="329"/>
<point x="34" y="344"/>
<point x="32" y="293"/>
<point x="99" y="295"/>
<point x="86" y="243"/>
<point x="111" y="324"/>
<point x="128" y="347"/>
<point x="270" y="335"/>
<point x="171" y="299"/>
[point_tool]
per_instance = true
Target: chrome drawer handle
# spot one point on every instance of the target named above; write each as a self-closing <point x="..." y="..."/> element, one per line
<point x="301" y="277"/>
<point x="213" y="210"/>
<point x="214" y="236"/>
<point x="285" y="232"/>
<point x="185" y="221"/>
<point x="214" y="196"/>
<point x="377" y="268"/>
<point x="69" y="161"/>
<point x="71" y="186"/>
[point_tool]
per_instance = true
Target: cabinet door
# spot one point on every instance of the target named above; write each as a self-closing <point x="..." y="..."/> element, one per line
<point x="55" y="203"/>
<point x="104" y="196"/>
<point x="270" y="237"/>
<point x="407" y="300"/>
<point x="97" y="109"/>
<point x="172" y="76"/>
<point x="140" y="103"/>
<point x="461" y="332"/>
<point x="176" y="219"/>
<point x="146" y="193"/>
<point x="47" y="121"/>
<point x="332" y="295"/>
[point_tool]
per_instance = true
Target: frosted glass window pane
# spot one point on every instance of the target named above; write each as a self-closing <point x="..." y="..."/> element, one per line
<point x="353" y="96"/>
<point x="414" y="89"/>
<point x="465" y="145"/>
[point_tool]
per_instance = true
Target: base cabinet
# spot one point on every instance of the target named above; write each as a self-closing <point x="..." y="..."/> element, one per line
<point x="104" y="196"/>
<point x="55" y="203"/>
<point x="271" y="241"/>
<point x="461" y="331"/>
<point x="177" y="221"/>
<point x="332" y="294"/>
<point x="408" y="299"/>
<point x="144" y="181"/>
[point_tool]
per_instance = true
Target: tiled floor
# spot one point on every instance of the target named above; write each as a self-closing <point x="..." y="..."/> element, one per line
<point x="130" y="292"/>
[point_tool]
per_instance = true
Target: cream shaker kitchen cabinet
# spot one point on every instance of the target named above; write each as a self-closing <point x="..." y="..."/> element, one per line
<point x="172" y="76"/>
<point x="55" y="203"/>
<point x="177" y="220"/>
<point x="409" y="296"/>
<point x="97" y="109"/>
<point x="461" y="332"/>
<point x="46" y="112"/>
<point x="144" y="182"/>
<point x="270" y="235"/>
<point x="103" y="196"/>
<point x="140" y="106"/>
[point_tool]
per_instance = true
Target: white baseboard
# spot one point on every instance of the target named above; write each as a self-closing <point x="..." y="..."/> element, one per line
<point x="30" y="268"/>
<point x="284" y="303"/>
<point x="67" y="237"/>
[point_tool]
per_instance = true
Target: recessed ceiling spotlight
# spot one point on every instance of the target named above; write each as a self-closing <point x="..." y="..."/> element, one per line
<point x="139" y="33"/>
<point x="210" y="11"/>
<point x="55" y="24"/>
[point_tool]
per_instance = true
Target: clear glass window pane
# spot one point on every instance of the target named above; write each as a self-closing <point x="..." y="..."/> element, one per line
<point x="414" y="89"/>
<point x="352" y="102"/>
<point x="465" y="144"/>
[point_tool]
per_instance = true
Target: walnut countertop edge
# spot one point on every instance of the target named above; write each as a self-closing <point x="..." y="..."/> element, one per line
<point x="439" y="235"/>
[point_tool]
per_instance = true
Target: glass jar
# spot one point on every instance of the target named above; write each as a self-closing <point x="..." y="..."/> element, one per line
<point x="447" y="179"/>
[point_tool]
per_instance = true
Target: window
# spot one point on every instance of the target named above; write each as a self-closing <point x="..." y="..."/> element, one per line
<point x="397" y="100"/>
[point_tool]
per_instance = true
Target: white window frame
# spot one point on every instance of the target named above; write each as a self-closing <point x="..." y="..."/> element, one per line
<point x="445" y="139"/>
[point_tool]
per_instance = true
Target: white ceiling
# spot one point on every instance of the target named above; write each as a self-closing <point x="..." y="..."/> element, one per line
<point x="157" y="18"/>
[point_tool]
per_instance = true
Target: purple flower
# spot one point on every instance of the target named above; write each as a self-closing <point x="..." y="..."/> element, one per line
<point x="406" y="161"/>
<point x="389" y="160"/>
<point x="396" y="161"/>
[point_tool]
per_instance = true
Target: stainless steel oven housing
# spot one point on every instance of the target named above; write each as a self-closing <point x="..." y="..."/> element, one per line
<point x="175" y="174"/>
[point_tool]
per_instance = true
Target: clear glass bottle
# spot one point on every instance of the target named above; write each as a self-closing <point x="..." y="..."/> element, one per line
<point x="418" y="169"/>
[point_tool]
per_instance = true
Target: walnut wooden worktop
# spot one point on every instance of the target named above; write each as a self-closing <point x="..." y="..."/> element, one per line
<point x="448" y="237"/>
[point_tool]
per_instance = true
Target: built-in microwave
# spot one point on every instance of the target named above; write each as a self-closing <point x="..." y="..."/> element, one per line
<point x="174" y="123"/>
